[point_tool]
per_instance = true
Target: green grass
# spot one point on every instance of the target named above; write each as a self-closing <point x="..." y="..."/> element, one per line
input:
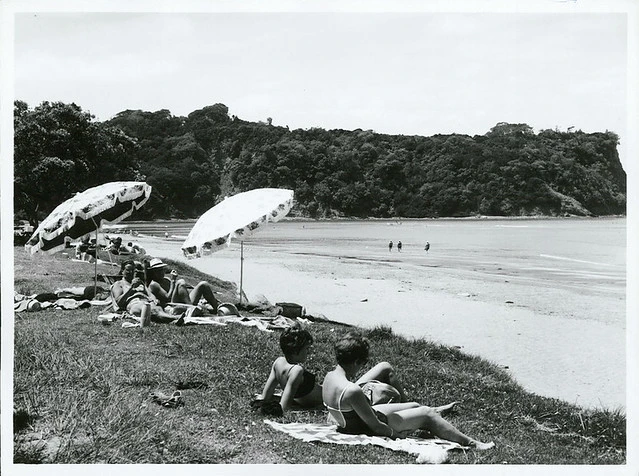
<point x="83" y="388"/>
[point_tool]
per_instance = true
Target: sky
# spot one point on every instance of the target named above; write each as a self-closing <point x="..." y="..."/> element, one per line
<point x="412" y="73"/>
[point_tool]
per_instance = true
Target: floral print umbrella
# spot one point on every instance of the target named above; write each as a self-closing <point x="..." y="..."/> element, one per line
<point x="86" y="212"/>
<point x="236" y="218"/>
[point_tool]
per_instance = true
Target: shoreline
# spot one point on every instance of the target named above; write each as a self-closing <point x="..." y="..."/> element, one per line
<point x="126" y="224"/>
<point x="545" y="345"/>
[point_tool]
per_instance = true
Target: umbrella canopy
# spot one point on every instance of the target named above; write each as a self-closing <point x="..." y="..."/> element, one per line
<point x="86" y="212"/>
<point x="236" y="218"/>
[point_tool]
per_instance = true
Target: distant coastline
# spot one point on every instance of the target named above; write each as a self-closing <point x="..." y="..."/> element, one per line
<point x="391" y="219"/>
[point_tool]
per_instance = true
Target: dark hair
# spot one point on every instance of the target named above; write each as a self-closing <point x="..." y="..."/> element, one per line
<point x="126" y="262"/>
<point x="294" y="339"/>
<point x="351" y="348"/>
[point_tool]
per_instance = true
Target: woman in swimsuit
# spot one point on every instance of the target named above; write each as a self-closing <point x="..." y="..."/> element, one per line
<point x="131" y="293"/>
<point x="353" y="413"/>
<point x="298" y="384"/>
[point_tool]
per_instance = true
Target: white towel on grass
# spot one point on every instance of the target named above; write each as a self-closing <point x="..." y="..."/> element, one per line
<point x="427" y="450"/>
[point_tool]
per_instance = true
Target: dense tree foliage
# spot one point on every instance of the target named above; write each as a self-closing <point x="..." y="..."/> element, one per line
<point x="192" y="162"/>
<point x="60" y="150"/>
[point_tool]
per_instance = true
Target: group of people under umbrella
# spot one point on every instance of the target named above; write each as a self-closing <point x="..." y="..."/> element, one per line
<point x="146" y="288"/>
<point x="234" y="218"/>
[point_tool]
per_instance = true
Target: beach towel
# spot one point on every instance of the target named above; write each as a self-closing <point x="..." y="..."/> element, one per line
<point x="427" y="450"/>
<point x="37" y="302"/>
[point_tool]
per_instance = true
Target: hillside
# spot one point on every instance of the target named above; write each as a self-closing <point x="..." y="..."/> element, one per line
<point x="508" y="171"/>
<point x="193" y="162"/>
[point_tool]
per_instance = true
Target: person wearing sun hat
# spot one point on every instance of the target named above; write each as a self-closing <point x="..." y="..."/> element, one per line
<point x="131" y="294"/>
<point x="170" y="289"/>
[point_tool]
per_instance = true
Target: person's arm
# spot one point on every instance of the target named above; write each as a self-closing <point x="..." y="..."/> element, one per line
<point x="158" y="293"/>
<point x="172" y="284"/>
<point x="120" y="295"/>
<point x="295" y="377"/>
<point x="147" y="291"/>
<point x="358" y="401"/>
<point x="270" y="385"/>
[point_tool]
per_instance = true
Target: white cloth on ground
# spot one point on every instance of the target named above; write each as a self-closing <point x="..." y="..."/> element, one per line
<point x="427" y="450"/>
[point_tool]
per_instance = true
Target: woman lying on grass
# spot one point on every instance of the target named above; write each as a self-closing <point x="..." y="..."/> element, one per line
<point x="298" y="384"/>
<point x="353" y="413"/>
<point x="131" y="293"/>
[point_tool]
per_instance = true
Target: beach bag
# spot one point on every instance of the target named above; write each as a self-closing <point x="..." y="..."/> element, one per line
<point x="379" y="392"/>
<point x="290" y="309"/>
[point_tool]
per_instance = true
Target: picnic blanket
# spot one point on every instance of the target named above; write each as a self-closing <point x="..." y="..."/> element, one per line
<point x="67" y="298"/>
<point x="431" y="451"/>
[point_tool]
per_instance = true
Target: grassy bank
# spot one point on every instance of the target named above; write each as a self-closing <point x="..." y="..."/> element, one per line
<point x="81" y="392"/>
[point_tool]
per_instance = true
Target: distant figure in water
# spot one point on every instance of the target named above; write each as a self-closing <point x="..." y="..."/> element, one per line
<point x="399" y="246"/>
<point x="427" y="247"/>
<point x="390" y="246"/>
<point x="166" y="234"/>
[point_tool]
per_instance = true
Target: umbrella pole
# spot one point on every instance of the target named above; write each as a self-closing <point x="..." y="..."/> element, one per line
<point x="95" y="266"/>
<point x="241" y="268"/>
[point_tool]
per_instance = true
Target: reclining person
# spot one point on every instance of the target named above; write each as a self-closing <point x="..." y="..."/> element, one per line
<point x="352" y="411"/>
<point x="172" y="290"/>
<point x="131" y="293"/>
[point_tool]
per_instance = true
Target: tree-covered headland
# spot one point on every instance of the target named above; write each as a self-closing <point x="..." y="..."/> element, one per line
<point x="192" y="162"/>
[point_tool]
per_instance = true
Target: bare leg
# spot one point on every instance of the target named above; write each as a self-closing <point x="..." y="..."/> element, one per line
<point x="203" y="289"/>
<point x="426" y="418"/>
<point x="384" y="372"/>
<point x="160" y="315"/>
<point x="181" y="293"/>
<point x="157" y="313"/>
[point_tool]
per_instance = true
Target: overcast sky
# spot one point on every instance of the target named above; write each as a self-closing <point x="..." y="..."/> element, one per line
<point x="402" y="73"/>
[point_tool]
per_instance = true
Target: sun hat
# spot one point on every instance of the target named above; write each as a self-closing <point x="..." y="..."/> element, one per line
<point x="156" y="263"/>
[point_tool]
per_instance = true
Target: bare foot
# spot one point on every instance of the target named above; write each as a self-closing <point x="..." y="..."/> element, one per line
<point x="445" y="409"/>
<point x="479" y="446"/>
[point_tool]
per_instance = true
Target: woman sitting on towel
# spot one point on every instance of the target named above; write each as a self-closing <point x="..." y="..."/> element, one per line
<point x="299" y="385"/>
<point x="131" y="293"/>
<point x="353" y="413"/>
<point x="174" y="290"/>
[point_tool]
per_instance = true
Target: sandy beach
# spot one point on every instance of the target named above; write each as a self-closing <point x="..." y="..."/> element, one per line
<point x="557" y="345"/>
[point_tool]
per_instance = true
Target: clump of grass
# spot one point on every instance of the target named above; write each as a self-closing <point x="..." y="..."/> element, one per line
<point x="380" y="332"/>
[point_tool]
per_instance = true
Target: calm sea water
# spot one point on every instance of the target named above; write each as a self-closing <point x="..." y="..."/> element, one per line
<point x="569" y="252"/>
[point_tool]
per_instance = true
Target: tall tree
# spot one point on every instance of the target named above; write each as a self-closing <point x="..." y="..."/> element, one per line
<point x="60" y="150"/>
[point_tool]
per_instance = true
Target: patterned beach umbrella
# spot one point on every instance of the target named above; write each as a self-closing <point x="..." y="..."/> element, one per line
<point x="86" y="212"/>
<point x="235" y="218"/>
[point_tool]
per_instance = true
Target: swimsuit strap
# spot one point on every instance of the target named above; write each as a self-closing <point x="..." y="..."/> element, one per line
<point x="291" y="368"/>
<point x="339" y="402"/>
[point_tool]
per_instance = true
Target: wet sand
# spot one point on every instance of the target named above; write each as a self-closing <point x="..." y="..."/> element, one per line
<point x="553" y="340"/>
